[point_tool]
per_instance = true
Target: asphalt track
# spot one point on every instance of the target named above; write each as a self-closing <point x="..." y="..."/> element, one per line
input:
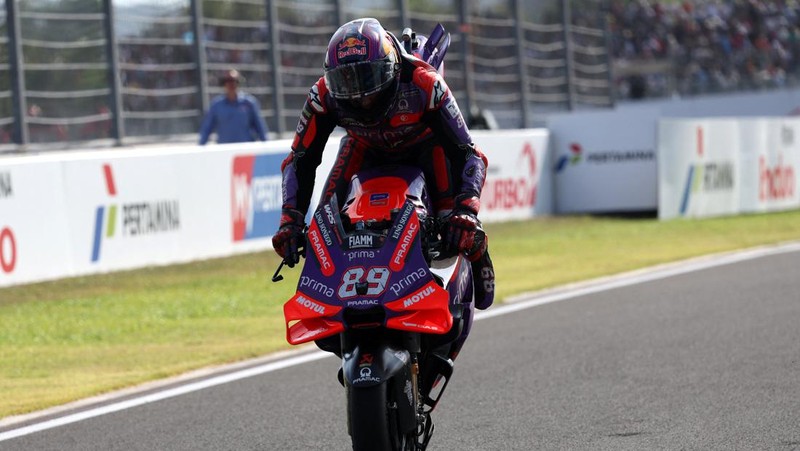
<point x="703" y="355"/>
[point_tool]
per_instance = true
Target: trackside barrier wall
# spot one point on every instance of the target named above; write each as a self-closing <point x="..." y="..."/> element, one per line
<point x="605" y="160"/>
<point x="72" y="214"/>
<point x="712" y="167"/>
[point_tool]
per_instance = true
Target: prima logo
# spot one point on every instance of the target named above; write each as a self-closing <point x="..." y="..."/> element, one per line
<point x="316" y="286"/>
<point x="407" y="281"/>
<point x="360" y="255"/>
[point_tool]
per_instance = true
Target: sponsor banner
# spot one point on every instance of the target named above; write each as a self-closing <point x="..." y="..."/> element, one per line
<point x="605" y="161"/>
<point x="34" y="243"/>
<point x="77" y="213"/>
<point x="699" y="171"/>
<point x="770" y="156"/>
<point x="718" y="167"/>
<point x="74" y="213"/>
<point x="123" y="212"/>
<point x="518" y="182"/>
<point x="256" y="196"/>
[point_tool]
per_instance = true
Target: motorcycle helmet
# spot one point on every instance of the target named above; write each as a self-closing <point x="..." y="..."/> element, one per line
<point x="362" y="68"/>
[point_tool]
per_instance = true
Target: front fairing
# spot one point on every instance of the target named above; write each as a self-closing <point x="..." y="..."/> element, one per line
<point x="349" y="277"/>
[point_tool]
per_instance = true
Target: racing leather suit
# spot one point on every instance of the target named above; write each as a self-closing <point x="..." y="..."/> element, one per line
<point x="423" y="127"/>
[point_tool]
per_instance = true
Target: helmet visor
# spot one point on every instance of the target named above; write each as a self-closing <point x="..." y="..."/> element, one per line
<point x="352" y="81"/>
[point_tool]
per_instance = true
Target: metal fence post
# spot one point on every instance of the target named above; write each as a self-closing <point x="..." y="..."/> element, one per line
<point x="566" y="20"/>
<point x="339" y="13"/>
<point x="275" y="57"/>
<point x="464" y="29"/>
<point x="523" y="71"/>
<point x="115" y="95"/>
<point x="402" y="6"/>
<point x="612" y="92"/>
<point x="200" y="55"/>
<point x="17" y="75"/>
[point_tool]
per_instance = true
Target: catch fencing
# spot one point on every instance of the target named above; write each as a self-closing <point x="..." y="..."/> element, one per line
<point x="118" y="72"/>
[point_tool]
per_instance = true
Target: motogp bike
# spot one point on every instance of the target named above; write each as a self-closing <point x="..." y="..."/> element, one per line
<point x="380" y="291"/>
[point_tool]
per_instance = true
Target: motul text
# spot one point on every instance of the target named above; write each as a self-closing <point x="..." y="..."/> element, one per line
<point x="411" y="300"/>
<point x="311" y="305"/>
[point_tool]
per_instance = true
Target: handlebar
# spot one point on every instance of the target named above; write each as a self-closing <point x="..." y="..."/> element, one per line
<point x="437" y="249"/>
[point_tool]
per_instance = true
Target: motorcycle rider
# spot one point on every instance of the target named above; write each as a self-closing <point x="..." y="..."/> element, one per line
<point x="395" y="108"/>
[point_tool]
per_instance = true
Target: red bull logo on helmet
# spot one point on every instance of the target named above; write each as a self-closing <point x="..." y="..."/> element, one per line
<point x="351" y="46"/>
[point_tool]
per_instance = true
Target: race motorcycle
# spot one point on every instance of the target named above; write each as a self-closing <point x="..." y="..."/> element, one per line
<point x="380" y="290"/>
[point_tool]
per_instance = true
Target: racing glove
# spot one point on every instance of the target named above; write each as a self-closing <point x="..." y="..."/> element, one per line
<point x="461" y="225"/>
<point x="290" y="241"/>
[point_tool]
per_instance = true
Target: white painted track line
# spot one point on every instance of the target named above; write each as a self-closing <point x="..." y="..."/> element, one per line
<point x="514" y="305"/>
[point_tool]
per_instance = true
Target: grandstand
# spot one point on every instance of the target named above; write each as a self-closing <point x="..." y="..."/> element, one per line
<point x="118" y="72"/>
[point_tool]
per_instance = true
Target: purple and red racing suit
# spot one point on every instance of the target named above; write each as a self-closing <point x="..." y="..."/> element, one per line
<point x="423" y="127"/>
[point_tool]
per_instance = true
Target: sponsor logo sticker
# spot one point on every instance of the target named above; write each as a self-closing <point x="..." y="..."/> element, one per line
<point x="360" y="241"/>
<point x="256" y="196"/>
<point x="379" y="199"/>
<point x="320" y="250"/>
<point x="351" y="46"/>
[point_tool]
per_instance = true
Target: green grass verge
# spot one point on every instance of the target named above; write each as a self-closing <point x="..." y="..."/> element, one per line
<point x="69" y="339"/>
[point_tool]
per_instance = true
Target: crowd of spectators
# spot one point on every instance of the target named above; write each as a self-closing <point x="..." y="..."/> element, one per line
<point x="706" y="45"/>
<point x="659" y="47"/>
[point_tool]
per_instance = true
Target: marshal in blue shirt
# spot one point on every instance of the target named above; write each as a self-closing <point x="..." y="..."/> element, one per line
<point x="234" y="121"/>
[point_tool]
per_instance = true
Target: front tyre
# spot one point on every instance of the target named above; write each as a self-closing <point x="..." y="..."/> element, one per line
<point x="368" y="418"/>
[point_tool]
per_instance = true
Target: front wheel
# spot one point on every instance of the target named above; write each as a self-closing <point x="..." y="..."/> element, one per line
<point x="379" y="419"/>
<point x="368" y="417"/>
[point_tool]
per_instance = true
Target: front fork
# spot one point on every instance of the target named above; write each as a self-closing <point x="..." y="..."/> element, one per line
<point x="377" y="356"/>
<point x="370" y="359"/>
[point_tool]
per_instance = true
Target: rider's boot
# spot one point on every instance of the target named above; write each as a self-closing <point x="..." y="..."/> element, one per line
<point x="482" y="275"/>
